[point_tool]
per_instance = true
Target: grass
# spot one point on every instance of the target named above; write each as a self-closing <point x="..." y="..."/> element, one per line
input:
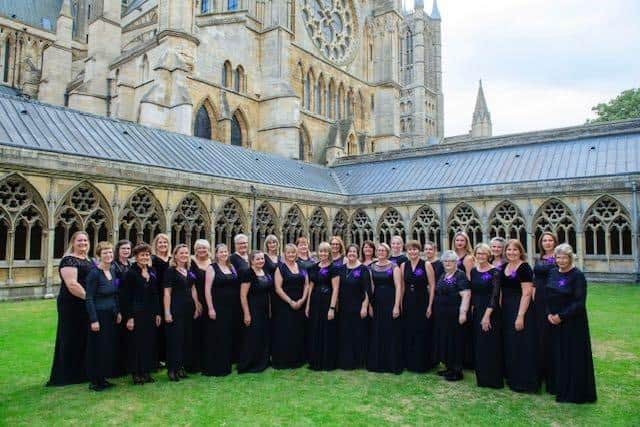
<point x="302" y="397"/>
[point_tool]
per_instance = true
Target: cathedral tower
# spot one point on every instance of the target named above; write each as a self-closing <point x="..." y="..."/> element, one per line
<point x="481" y="125"/>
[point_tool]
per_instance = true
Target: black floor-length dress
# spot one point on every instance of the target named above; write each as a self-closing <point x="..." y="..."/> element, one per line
<point x="287" y="344"/>
<point x="520" y="347"/>
<point x="198" y="324"/>
<point x="256" y="338"/>
<point x="102" y="307"/>
<point x="139" y="301"/>
<point x="69" y="356"/>
<point x="571" y="370"/>
<point x="448" y="334"/>
<point x="541" y="270"/>
<point x="385" y="343"/>
<point x="160" y="267"/>
<point x="417" y="329"/>
<point x="468" y="359"/>
<point x="179" y="333"/>
<point x="306" y="264"/>
<point x="353" y="333"/>
<point x="123" y="335"/>
<point x="242" y="268"/>
<point x="485" y="293"/>
<point x="219" y="339"/>
<point x="323" y="333"/>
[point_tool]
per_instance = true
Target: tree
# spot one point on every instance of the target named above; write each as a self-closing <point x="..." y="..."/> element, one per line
<point x="625" y="106"/>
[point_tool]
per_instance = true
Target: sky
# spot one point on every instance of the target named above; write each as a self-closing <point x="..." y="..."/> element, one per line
<point x="543" y="63"/>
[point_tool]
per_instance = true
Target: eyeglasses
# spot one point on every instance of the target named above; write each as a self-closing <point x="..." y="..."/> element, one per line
<point x="243" y="243"/>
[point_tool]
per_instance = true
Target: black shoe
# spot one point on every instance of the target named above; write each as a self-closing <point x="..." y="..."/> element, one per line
<point x="173" y="376"/>
<point x="96" y="387"/>
<point x="182" y="373"/>
<point x="138" y="380"/>
<point x="444" y="372"/>
<point x="454" y="376"/>
<point x="149" y="379"/>
<point x="107" y="384"/>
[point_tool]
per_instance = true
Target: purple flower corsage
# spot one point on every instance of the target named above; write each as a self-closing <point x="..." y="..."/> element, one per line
<point x="418" y="272"/>
<point x="550" y="260"/>
<point x="356" y="273"/>
<point x="486" y="276"/>
<point x="324" y="271"/>
<point x="449" y="280"/>
<point x="390" y="272"/>
<point x="562" y="283"/>
<point x="116" y="282"/>
<point x="191" y="275"/>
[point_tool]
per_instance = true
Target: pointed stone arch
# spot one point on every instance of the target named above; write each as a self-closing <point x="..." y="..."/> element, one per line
<point x="266" y="223"/>
<point x="331" y="100"/>
<point x="304" y="144"/>
<point x="506" y="221"/>
<point x="340" y="226"/>
<point x="85" y="208"/>
<point x="556" y="217"/>
<point x="425" y="226"/>
<point x="464" y="218"/>
<point x="319" y="95"/>
<point x="352" y="145"/>
<point x="390" y="225"/>
<point x="205" y="122"/>
<point x="607" y="228"/>
<point x="360" y="227"/>
<point x="227" y="74"/>
<point x="317" y="228"/>
<point x="230" y="221"/>
<point x="190" y="221"/>
<point x="142" y="217"/>
<point x="240" y="129"/>
<point x="294" y="225"/>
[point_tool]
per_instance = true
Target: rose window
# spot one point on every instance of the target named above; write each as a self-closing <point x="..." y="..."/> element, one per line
<point x="332" y="27"/>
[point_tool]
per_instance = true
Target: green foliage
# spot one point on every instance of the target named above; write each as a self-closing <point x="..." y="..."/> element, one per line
<point x="625" y="106"/>
<point x="303" y="397"/>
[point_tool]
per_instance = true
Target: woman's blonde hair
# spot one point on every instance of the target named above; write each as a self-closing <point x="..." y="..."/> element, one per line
<point x="324" y="246"/>
<point x="73" y="238"/>
<point x="385" y="247"/>
<point x="482" y="247"/>
<point x="219" y="247"/>
<point x="267" y="240"/>
<point x="174" y="262"/>
<point x="339" y="239"/>
<point x="468" y="247"/>
<point x="154" y="242"/>
<point x="516" y="243"/>
<point x="101" y="246"/>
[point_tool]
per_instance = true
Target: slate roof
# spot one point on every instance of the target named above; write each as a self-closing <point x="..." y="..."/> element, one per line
<point x="601" y="151"/>
<point x="35" y="13"/>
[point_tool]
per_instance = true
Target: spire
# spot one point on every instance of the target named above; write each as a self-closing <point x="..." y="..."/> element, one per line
<point x="435" y="13"/>
<point x="481" y="125"/>
<point x="65" y="9"/>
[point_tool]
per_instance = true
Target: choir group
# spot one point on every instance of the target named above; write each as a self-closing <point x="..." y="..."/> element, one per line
<point x="135" y="309"/>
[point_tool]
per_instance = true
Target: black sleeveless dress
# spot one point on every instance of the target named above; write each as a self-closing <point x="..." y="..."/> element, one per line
<point x="69" y="356"/>
<point x="160" y="267"/>
<point x="520" y="347"/>
<point x="438" y="268"/>
<point x="571" y="369"/>
<point x="485" y="293"/>
<point x="468" y="358"/>
<point x="179" y="333"/>
<point x="385" y="344"/>
<point x="323" y="333"/>
<point x="352" y="329"/>
<point x="254" y="354"/>
<point x="418" y="330"/>
<point x="120" y="270"/>
<point x="541" y="270"/>
<point x="219" y="338"/>
<point x="287" y="345"/>
<point x="241" y="267"/>
<point x="197" y="325"/>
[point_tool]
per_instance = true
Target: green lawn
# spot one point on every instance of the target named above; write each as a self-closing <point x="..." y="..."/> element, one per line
<point x="301" y="397"/>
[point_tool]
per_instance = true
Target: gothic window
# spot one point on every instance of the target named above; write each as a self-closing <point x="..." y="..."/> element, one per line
<point x="83" y="209"/>
<point x="265" y="223"/>
<point x="226" y="74"/>
<point x="332" y="26"/>
<point x="506" y="221"/>
<point x="331" y="93"/>
<point x="238" y="79"/>
<point x="352" y="147"/>
<point x="204" y="6"/>
<point x="425" y="226"/>
<point x="232" y="4"/>
<point x="238" y="130"/>
<point x="306" y="102"/>
<point x="190" y="222"/>
<point x="464" y="218"/>
<point x="340" y="225"/>
<point x="144" y="69"/>
<point x="7" y="57"/>
<point x="230" y="221"/>
<point x="317" y="229"/>
<point x="318" y="96"/>
<point x="304" y="145"/>
<point x="293" y="226"/>
<point x="142" y="218"/>
<point x="22" y="221"/>
<point x="339" y="112"/>
<point x="360" y="228"/>
<point x="607" y="229"/>
<point x="554" y="216"/>
<point x="373" y="104"/>
<point x="390" y="225"/>
<point x="202" y="125"/>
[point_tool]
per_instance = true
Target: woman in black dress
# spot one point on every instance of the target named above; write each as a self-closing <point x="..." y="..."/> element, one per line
<point x="160" y="250"/>
<point x="397" y="246"/>
<point x="353" y="303"/>
<point x="419" y="287"/>
<point x="450" y="308"/>
<point x="324" y="285"/>
<point x="291" y="288"/>
<point x="571" y="370"/>
<point x="486" y="320"/>
<point x="221" y="294"/>
<point x="368" y="253"/>
<point x="69" y="356"/>
<point x="104" y="317"/>
<point x="518" y="323"/>
<point x="431" y="256"/>
<point x="462" y="248"/>
<point x="385" y="344"/>
<point x="255" y="293"/>
<point x="139" y="305"/>
<point x="541" y="270"/>
<point x="199" y="264"/>
<point x="497" y="258"/>
<point x="180" y="306"/>
<point x="337" y="251"/>
<point x="271" y="254"/>
<point x="121" y="264"/>
<point x="240" y="261"/>
<point x="305" y="259"/>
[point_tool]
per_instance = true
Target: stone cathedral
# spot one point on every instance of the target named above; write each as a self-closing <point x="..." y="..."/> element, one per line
<point x="207" y="118"/>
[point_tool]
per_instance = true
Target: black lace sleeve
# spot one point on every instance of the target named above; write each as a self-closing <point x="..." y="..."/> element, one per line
<point x="92" y="285"/>
<point x="494" y="300"/>
<point x="126" y="294"/>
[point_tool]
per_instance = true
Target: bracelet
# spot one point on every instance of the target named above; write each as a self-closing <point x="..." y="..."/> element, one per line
<point x="332" y="308"/>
